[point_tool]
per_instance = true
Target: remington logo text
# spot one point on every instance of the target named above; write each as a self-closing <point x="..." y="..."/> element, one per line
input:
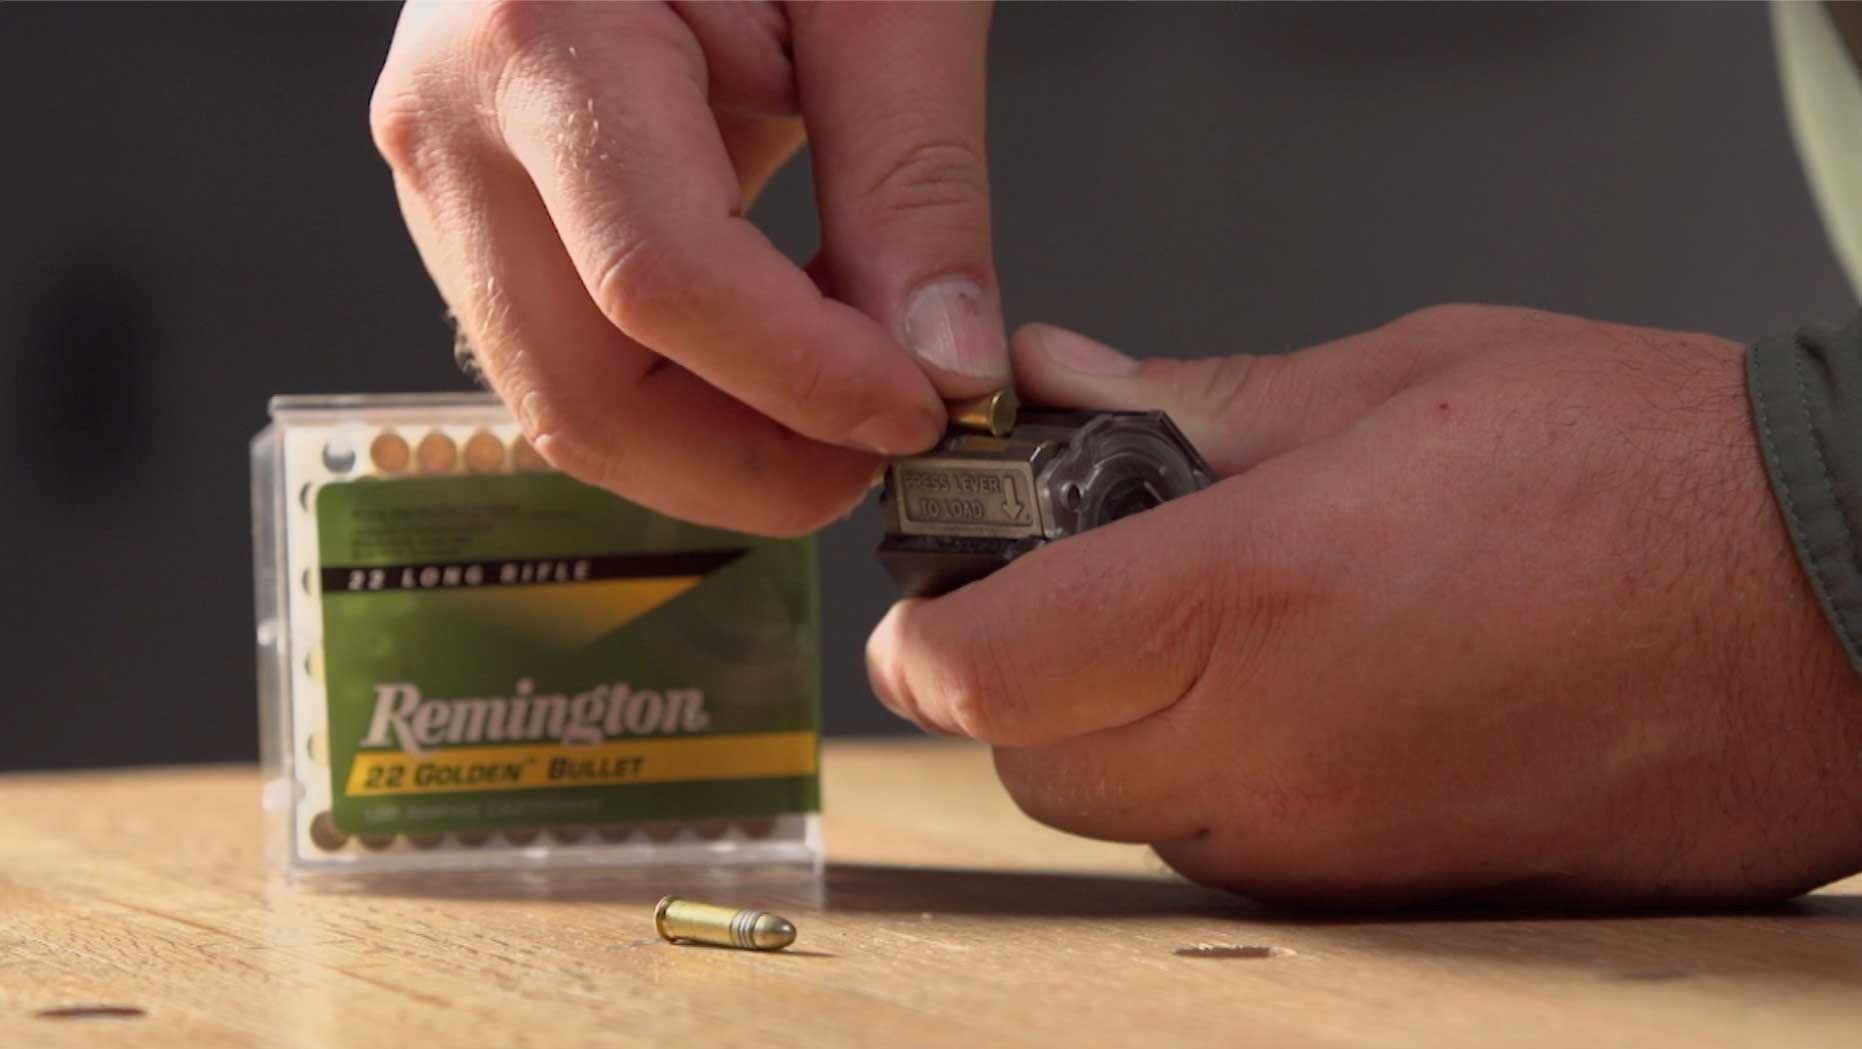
<point x="413" y="723"/>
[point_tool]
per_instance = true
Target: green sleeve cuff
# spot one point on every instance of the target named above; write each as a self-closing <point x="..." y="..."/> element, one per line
<point x="1806" y="392"/>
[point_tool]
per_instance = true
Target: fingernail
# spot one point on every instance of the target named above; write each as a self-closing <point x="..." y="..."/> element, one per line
<point x="952" y="325"/>
<point x="1077" y="353"/>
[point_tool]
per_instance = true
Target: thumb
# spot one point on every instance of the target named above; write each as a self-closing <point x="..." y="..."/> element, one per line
<point x="1237" y="410"/>
<point x="893" y="96"/>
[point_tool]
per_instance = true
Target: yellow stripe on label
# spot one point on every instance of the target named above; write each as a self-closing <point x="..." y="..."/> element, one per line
<point x="533" y="767"/>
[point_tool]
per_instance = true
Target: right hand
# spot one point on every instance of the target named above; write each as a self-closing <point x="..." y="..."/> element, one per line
<point x="575" y="177"/>
<point x="1491" y="602"/>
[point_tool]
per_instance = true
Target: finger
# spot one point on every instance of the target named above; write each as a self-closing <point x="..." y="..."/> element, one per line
<point x="749" y="55"/>
<point x="751" y="85"/>
<point x="1128" y="784"/>
<point x="593" y="402"/>
<point x="1277" y="861"/>
<point x="1084" y="634"/>
<point x="1238" y="410"/>
<point x="605" y="107"/>
<point x="894" y="99"/>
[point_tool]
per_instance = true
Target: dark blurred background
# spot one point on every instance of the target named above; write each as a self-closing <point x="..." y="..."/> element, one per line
<point x="193" y="219"/>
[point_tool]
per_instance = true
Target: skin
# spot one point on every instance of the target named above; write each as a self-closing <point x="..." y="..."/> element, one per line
<point x="575" y="178"/>
<point x="1490" y="602"/>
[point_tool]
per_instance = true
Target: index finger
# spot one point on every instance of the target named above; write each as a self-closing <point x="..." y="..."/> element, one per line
<point x="605" y="108"/>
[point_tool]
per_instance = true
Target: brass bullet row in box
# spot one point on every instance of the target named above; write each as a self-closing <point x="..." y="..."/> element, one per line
<point x="437" y="453"/>
<point x="326" y="836"/>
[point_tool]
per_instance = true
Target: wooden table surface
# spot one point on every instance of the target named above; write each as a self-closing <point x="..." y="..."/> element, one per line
<point x="949" y="920"/>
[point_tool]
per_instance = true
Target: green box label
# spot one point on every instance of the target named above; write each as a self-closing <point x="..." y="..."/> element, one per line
<point x="527" y="650"/>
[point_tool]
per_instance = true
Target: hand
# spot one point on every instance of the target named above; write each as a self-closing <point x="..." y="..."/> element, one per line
<point x="1491" y="603"/>
<point x="575" y="177"/>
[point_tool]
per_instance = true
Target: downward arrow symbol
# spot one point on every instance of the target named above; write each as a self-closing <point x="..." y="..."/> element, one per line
<point x="1016" y="508"/>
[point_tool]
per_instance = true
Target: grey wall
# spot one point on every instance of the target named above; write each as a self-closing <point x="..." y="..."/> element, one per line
<point x="192" y="219"/>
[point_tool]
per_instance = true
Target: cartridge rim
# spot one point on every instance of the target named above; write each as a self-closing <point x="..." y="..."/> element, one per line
<point x="659" y="915"/>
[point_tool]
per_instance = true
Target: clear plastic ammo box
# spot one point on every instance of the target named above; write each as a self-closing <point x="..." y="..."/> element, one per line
<point x="469" y="662"/>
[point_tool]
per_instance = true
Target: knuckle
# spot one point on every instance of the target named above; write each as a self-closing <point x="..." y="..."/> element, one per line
<point x="822" y="388"/>
<point x="1182" y="640"/>
<point x="936" y="175"/>
<point x="1226" y="386"/>
<point x="1471" y="328"/>
<point x="966" y="700"/>
<point x="977" y="694"/>
<point x="644" y="288"/>
<point x="565" y="434"/>
<point x="510" y="30"/>
<point x="809" y="385"/>
<point x="421" y="108"/>
<point x="400" y="124"/>
<point x="1442" y="317"/>
<point x="658" y="295"/>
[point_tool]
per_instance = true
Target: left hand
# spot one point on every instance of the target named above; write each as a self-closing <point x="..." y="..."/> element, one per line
<point x="575" y="178"/>
<point x="1492" y="602"/>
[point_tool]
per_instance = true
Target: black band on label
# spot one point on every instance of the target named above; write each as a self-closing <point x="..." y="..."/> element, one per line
<point x="457" y="575"/>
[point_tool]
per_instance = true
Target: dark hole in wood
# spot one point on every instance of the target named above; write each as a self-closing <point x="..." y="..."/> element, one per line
<point x="91" y="1012"/>
<point x="1649" y="976"/>
<point x="1231" y="950"/>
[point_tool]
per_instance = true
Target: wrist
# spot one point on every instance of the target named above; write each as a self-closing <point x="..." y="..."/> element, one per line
<point x="1799" y="700"/>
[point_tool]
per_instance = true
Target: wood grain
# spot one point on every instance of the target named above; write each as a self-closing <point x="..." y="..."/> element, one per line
<point x="947" y="920"/>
